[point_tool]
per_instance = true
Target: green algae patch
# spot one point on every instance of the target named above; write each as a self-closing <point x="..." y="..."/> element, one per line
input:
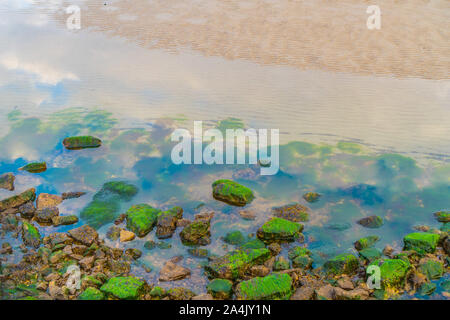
<point x="81" y="142"/>
<point x="123" y="190"/>
<point x="300" y="257"/>
<point x="272" y="287"/>
<point x="393" y="272"/>
<point x="124" y="288"/>
<point x="421" y="241"/>
<point x="342" y="263"/>
<point x="366" y="242"/>
<point x="141" y="219"/>
<point x="91" y="293"/>
<point x="442" y="216"/>
<point x="234" y="238"/>
<point x="278" y="229"/>
<point x="232" y="192"/>
<point x="196" y="233"/>
<point x="234" y="264"/>
<point x="30" y="235"/>
<point x="220" y="288"/>
<point x="253" y="244"/>
<point x="432" y="269"/>
<point x="370" y="254"/>
<point x="18" y="200"/>
<point x="35" y="167"/>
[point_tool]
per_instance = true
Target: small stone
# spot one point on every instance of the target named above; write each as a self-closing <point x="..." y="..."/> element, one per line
<point x="345" y="283"/>
<point x="27" y="210"/>
<point x="126" y="235"/>
<point x="247" y="214"/>
<point x="45" y="200"/>
<point x="220" y="288"/>
<point x="388" y="251"/>
<point x="293" y="212"/>
<point x="133" y="253"/>
<point x="311" y="197"/>
<point x="87" y="262"/>
<point x="35" y="167"/>
<point x="120" y="219"/>
<point x="84" y="234"/>
<point x="259" y="271"/>
<point x="46" y="215"/>
<point x="81" y="142"/>
<point x="371" y="222"/>
<point x="30" y="235"/>
<point x="72" y="195"/>
<point x="304" y="293"/>
<point x="442" y="216"/>
<point x="172" y="272"/>
<point x="7" y="181"/>
<point x="232" y="192"/>
<point x="427" y="289"/>
<point x="64" y="220"/>
<point x="18" y="200"/>
<point x="113" y="233"/>
<point x="205" y="296"/>
<point x="326" y="292"/>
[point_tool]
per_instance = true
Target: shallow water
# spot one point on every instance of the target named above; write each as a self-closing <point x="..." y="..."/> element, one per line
<point x="56" y="83"/>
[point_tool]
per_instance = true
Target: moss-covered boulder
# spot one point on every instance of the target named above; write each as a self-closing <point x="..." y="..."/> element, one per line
<point x="442" y="216"/>
<point x="180" y="293"/>
<point x="432" y="269"/>
<point x="371" y="222"/>
<point x="311" y="196"/>
<point x="34" y="167"/>
<point x="141" y="219"/>
<point x="421" y="241"/>
<point x="196" y="233"/>
<point x="272" y="287"/>
<point x="427" y="289"/>
<point x="18" y="200"/>
<point x="81" y="142"/>
<point x="220" y="288"/>
<point x="124" y="288"/>
<point x="366" y="242"/>
<point x="30" y="235"/>
<point x="281" y="264"/>
<point x="300" y="257"/>
<point x="342" y="263"/>
<point x="167" y="222"/>
<point x="234" y="238"/>
<point x="234" y="264"/>
<point x="393" y="272"/>
<point x="278" y="229"/>
<point x="370" y="254"/>
<point x="91" y="293"/>
<point x="232" y="192"/>
<point x="293" y="212"/>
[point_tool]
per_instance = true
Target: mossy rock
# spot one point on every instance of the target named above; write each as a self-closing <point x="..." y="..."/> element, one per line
<point x="272" y="287"/>
<point x="119" y="190"/>
<point x="157" y="293"/>
<point x="427" y="289"/>
<point x="278" y="229"/>
<point x="220" y="288"/>
<point x="64" y="220"/>
<point x="7" y="181"/>
<point x="281" y="264"/>
<point x="370" y="254"/>
<point x="232" y="192"/>
<point x="442" y="216"/>
<point x="180" y="293"/>
<point x="35" y="167"/>
<point x="234" y="238"/>
<point x="81" y="142"/>
<point x="167" y="222"/>
<point x="342" y="263"/>
<point x="297" y="252"/>
<point x="311" y="197"/>
<point x="196" y="233"/>
<point x="30" y="235"/>
<point x="432" y="269"/>
<point x="253" y="244"/>
<point x="445" y="285"/>
<point x="199" y="252"/>
<point x="234" y="264"/>
<point x="421" y="241"/>
<point x="141" y="219"/>
<point x="445" y="227"/>
<point x="366" y="242"/>
<point x="124" y="288"/>
<point x="371" y="222"/>
<point x="393" y="272"/>
<point x="91" y="293"/>
<point x="294" y="212"/>
<point x="18" y="200"/>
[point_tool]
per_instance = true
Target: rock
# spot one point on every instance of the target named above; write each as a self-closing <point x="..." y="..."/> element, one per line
<point x="427" y="289"/>
<point x="198" y="252"/>
<point x="45" y="200"/>
<point x="421" y="241"/>
<point x="87" y="262"/>
<point x="30" y="235"/>
<point x="234" y="238"/>
<point x="7" y="181"/>
<point x="275" y="248"/>
<point x="432" y="269"/>
<point x="81" y="142"/>
<point x="343" y="263"/>
<point x="388" y="251"/>
<point x="220" y="288"/>
<point x="272" y="287"/>
<point x="253" y="244"/>
<point x="18" y="200"/>
<point x="281" y="264"/>
<point x="133" y="253"/>
<point x="246" y="174"/>
<point x="393" y="272"/>
<point x="259" y="271"/>
<point x="232" y="192"/>
<point x="167" y="222"/>
<point x="126" y="236"/>
<point x="6" y="248"/>
<point x="370" y="254"/>
<point x="304" y="293"/>
<point x="46" y="215"/>
<point x="422" y="228"/>
<point x="181" y="223"/>
<point x="157" y="293"/>
<point x="64" y="220"/>
<point x="234" y="264"/>
<point x="113" y="233"/>
<point x="196" y="233"/>
<point x="371" y="222"/>
<point x="355" y="294"/>
<point x="446" y="245"/>
<point x="445" y="227"/>
<point x="311" y="196"/>
<point x="345" y="283"/>
<point x="293" y="212"/>
<point x="35" y="167"/>
<point x="27" y="210"/>
<point x="56" y="292"/>
<point x="84" y="234"/>
<point x="141" y="219"/>
<point x="124" y="288"/>
<point x="72" y="195"/>
<point x="120" y="219"/>
<point x="91" y="293"/>
<point x="442" y="216"/>
<point x="300" y="257"/>
<point x="278" y="229"/>
<point x="366" y="242"/>
<point x="180" y="294"/>
<point x="205" y="296"/>
<point x="57" y="238"/>
<point x="247" y="214"/>
<point x="325" y="293"/>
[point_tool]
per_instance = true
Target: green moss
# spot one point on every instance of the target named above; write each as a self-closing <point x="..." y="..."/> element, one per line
<point x="293" y="212"/>
<point x="157" y="293"/>
<point x="253" y="244"/>
<point x="234" y="238"/>
<point x="349" y="147"/>
<point x="30" y="235"/>
<point x="343" y="263"/>
<point x="298" y="252"/>
<point x="281" y="264"/>
<point x="220" y="288"/>
<point x="366" y="242"/>
<point x="278" y="229"/>
<point x="370" y="254"/>
<point x="124" y="190"/>
<point x="234" y="264"/>
<point x="18" y="200"/>
<point x="272" y="287"/>
<point x="393" y="272"/>
<point x="432" y="269"/>
<point x="230" y="123"/>
<point x="232" y="192"/>
<point x="427" y="288"/>
<point x="196" y="233"/>
<point x="198" y="252"/>
<point x="125" y="288"/>
<point x="91" y="293"/>
<point x="81" y="142"/>
<point x="442" y="216"/>
<point x="141" y="219"/>
<point x="98" y="213"/>
<point x="35" y="167"/>
<point x="421" y="241"/>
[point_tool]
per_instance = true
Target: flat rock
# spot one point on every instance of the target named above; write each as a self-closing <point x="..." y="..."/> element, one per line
<point x="7" y="181"/>
<point x="126" y="236"/>
<point x="84" y="234"/>
<point x="72" y="195"/>
<point x="172" y="272"/>
<point x="45" y="200"/>
<point x="45" y="215"/>
<point x="371" y="222"/>
<point x="18" y="200"/>
<point x="294" y="212"/>
<point x="303" y="293"/>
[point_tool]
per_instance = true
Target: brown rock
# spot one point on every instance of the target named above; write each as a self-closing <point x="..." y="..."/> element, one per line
<point x="345" y="283"/>
<point x="388" y="251"/>
<point x="45" y="200"/>
<point x="7" y="181"/>
<point x="172" y="272"/>
<point x="326" y="292"/>
<point x="46" y="215"/>
<point x="84" y="234"/>
<point x="259" y="271"/>
<point x="356" y="294"/>
<point x="87" y="262"/>
<point x="126" y="235"/>
<point x="72" y="195"/>
<point x="205" y="296"/>
<point x="303" y="293"/>
<point x="247" y="214"/>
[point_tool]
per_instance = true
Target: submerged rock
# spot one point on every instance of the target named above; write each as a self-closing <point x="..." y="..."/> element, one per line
<point x="232" y="192"/>
<point x="442" y="216"/>
<point x="180" y="294"/>
<point x="18" y="200"/>
<point x="234" y="238"/>
<point x="84" y="234"/>
<point x="167" y="222"/>
<point x="172" y="272"/>
<point x="91" y="293"/>
<point x="427" y="289"/>
<point x="366" y="242"/>
<point x="272" y="287"/>
<point x="293" y="212"/>
<point x="432" y="269"/>
<point x="220" y="288"/>
<point x="234" y="264"/>
<point x="342" y="263"/>
<point x="278" y="229"/>
<point x="421" y="241"/>
<point x="30" y="235"/>
<point x="64" y="220"/>
<point x="7" y="181"/>
<point x="141" y="219"/>
<point x="311" y="197"/>
<point x="371" y="222"/>
<point x="370" y="254"/>
<point x="199" y="252"/>
<point x="300" y="257"/>
<point x="197" y="233"/>
<point x="35" y="167"/>
<point x="124" y="288"/>
<point x="247" y="214"/>
<point x="72" y="195"/>
<point x="81" y="142"/>
<point x="46" y="215"/>
<point x="113" y="233"/>
<point x="45" y="200"/>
